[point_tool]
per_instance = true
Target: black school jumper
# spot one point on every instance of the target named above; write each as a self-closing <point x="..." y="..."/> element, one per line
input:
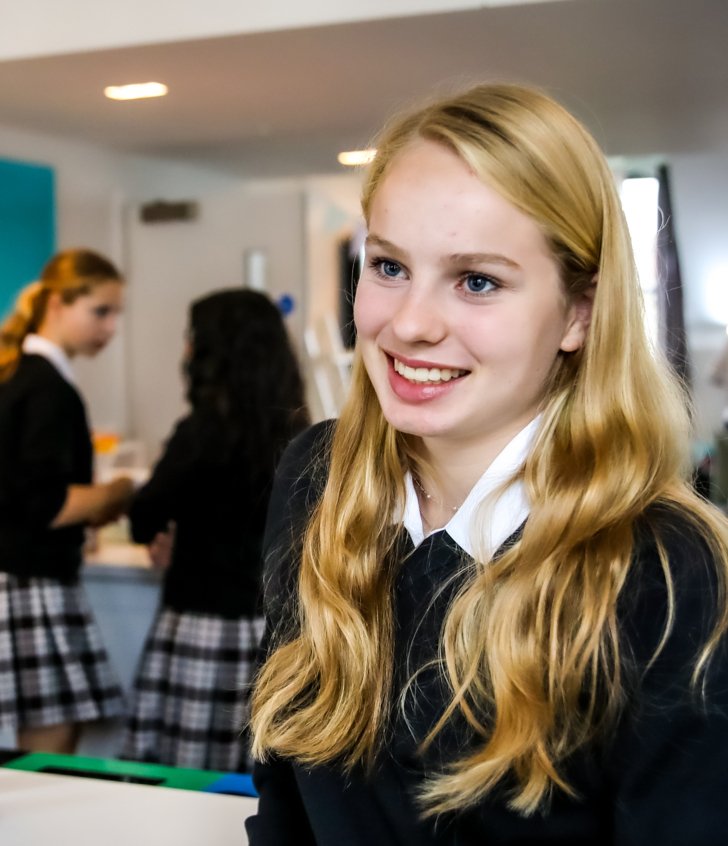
<point x="45" y="446"/>
<point x="53" y="665"/>
<point x="661" y="777"/>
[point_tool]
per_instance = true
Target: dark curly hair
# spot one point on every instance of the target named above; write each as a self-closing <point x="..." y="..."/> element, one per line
<point x="242" y="370"/>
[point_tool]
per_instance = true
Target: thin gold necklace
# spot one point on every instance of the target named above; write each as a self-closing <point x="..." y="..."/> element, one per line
<point x="429" y="496"/>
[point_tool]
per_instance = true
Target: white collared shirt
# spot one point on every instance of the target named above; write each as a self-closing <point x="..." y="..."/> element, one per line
<point x="38" y="345"/>
<point x="508" y="511"/>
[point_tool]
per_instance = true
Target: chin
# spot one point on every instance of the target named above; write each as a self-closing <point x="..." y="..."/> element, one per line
<point x="417" y="425"/>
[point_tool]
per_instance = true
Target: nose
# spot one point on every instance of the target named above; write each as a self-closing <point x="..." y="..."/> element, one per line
<point x="420" y="317"/>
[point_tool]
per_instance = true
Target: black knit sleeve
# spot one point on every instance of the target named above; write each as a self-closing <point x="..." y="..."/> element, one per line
<point x="670" y="763"/>
<point x="173" y="477"/>
<point x="44" y="451"/>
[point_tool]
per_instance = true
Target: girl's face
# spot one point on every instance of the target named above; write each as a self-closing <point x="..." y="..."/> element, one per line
<point x="460" y="309"/>
<point x="85" y="326"/>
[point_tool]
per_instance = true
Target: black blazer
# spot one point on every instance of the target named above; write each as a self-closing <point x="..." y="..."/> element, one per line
<point x="201" y="483"/>
<point x="661" y="777"/>
<point x="45" y="446"/>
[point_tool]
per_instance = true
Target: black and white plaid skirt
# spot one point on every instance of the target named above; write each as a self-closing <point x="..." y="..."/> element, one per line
<point x="53" y="665"/>
<point x="191" y="692"/>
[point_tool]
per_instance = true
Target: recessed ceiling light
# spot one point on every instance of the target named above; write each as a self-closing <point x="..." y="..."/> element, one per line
<point x="136" y="91"/>
<point x="352" y="158"/>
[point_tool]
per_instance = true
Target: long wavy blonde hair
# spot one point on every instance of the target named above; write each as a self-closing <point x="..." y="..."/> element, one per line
<point x="531" y="639"/>
<point x="71" y="273"/>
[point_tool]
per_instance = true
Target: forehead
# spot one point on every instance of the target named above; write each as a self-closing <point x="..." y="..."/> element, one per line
<point x="110" y="290"/>
<point x="109" y="293"/>
<point x="430" y="194"/>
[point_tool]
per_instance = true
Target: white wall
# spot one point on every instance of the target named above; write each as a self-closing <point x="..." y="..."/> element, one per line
<point x="700" y="209"/>
<point x="700" y="186"/>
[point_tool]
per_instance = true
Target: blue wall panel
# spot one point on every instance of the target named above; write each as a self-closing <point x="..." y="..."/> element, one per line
<point x="27" y="225"/>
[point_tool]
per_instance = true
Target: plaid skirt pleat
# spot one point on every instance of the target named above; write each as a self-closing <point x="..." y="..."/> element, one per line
<point x="191" y="692"/>
<point x="53" y="665"/>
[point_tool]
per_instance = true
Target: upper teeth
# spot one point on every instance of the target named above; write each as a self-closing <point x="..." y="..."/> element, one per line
<point x="426" y="374"/>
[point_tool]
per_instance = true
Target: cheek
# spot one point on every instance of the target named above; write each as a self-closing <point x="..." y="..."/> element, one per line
<point x="368" y="311"/>
<point x="523" y="342"/>
<point x="80" y="325"/>
<point x="90" y="325"/>
<point x="546" y="336"/>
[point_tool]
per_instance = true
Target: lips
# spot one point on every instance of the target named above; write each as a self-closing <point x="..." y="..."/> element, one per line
<point x="426" y="375"/>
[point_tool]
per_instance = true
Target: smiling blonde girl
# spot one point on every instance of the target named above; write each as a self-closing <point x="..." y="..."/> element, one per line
<point x="497" y="610"/>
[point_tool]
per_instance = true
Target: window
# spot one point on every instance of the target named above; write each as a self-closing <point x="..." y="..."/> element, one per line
<point x="639" y="201"/>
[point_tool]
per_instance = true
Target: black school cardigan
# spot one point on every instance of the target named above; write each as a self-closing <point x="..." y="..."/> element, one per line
<point x="206" y="489"/>
<point x="45" y="446"/>
<point x="660" y="777"/>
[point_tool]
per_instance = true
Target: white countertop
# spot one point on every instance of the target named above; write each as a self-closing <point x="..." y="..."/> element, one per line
<point x="119" y="554"/>
<point x="38" y="808"/>
<point x="114" y="551"/>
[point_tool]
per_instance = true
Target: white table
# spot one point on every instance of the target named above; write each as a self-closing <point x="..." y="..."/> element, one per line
<point x="37" y="809"/>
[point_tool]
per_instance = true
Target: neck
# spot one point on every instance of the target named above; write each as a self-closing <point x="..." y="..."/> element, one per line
<point x="47" y="331"/>
<point x="441" y="489"/>
<point x="450" y="469"/>
<point x="449" y="474"/>
<point x="435" y="514"/>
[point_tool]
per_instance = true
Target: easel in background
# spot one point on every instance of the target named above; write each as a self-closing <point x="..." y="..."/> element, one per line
<point x="330" y="364"/>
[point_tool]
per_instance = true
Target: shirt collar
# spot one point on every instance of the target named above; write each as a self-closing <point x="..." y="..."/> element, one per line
<point x="508" y="511"/>
<point x="38" y="345"/>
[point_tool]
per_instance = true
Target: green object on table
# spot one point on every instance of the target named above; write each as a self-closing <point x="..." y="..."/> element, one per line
<point x="113" y="770"/>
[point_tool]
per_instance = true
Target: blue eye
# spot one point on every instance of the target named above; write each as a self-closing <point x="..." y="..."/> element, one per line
<point x="386" y="268"/>
<point x="389" y="268"/>
<point x="477" y="284"/>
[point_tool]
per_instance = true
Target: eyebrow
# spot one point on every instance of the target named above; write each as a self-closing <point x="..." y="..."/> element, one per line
<point x="382" y="242"/>
<point x="483" y="258"/>
<point x="454" y="258"/>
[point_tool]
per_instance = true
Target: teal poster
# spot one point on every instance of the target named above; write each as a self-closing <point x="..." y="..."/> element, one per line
<point x="27" y="226"/>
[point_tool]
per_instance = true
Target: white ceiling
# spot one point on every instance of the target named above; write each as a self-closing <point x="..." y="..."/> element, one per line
<point x="648" y="76"/>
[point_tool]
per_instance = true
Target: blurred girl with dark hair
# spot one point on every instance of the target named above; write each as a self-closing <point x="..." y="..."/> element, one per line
<point x="207" y="500"/>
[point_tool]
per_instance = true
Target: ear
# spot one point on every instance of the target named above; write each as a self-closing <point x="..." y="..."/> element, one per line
<point x="54" y="303"/>
<point x="579" y="319"/>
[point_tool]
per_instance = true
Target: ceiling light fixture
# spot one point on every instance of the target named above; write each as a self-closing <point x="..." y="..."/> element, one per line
<point x="354" y="158"/>
<point x="136" y="91"/>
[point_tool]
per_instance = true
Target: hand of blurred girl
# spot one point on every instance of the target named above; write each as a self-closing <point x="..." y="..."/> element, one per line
<point x="95" y="505"/>
<point x="160" y="549"/>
